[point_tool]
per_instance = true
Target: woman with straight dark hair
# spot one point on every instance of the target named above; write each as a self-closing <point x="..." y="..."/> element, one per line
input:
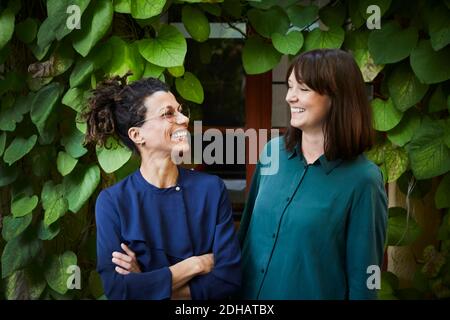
<point x="163" y="232"/>
<point x="316" y="228"/>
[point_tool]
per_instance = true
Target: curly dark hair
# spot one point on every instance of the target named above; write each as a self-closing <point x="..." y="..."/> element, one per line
<point x="116" y="106"/>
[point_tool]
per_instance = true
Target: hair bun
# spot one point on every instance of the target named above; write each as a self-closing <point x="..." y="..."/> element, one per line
<point x="100" y="116"/>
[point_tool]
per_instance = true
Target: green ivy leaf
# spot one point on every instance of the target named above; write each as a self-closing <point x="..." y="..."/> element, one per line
<point x="232" y="8"/>
<point x="152" y="70"/>
<point x="430" y="66"/>
<point x="259" y="56"/>
<point x="6" y="26"/>
<point x="44" y="102"/>
<point x="438" y="101"/>
<point x="441" y="198"/>
<point x="190" y="88"/>
<point x="48" y="232"/>
<point x="76" y="98"/>
<point x="356" y="42"/>
<point x="73" y="142"/>
<point x="400" y="44"/>
<point x="12" y="111"/>
<point x="28" y="278"/>
<point x="41" y="160"/>
<point x="176" y="71"/>
<point x="85" y="66"/>
<point x="12" y="226"/>
<point x="355" y="13"/>
<point x="95" y="23"/>
<point x="126" y="58"/>
<point x="196" y="23"/>
<point x="302" y="16"/>
<point x="333" y="16"/>
<point x="55" y="25"/>
<point x="65" y="163"/>
<point x="439" y="27"/>
<point x="2" y="142"/>
<point x="402" y="230"/>
<point x="18" y="148"/>
<point x="79" y="185"/>
<point x="318" y="39"/>
<point x="261" y="4"/>
<point x="53" y="202"/>
<point x="56" y="272"/>
<point x="393" y="161"/>
<point x="18" y="252"/>
<point x="144" y="9"/>
<point x="428" y="153"/>
<point x="404" y="131"/>
<point x="7" y="174"/>
<point x="122" y="6"/>
<point x="385" y="115"/>
<point x="396" y="163"/>
<point x="290" y="43"/>
<point x="168" y="49"/>
<point x="112" y="156"/>
<point x="26" y="30"/>
<point x="404" y="88"/>
<point x="368" y="67"/>
<point x="23" y="205"/>
<point x="211" y="8"/>
<point x="266" y="23"/>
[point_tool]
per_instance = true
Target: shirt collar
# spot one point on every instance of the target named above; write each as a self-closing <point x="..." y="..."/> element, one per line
<point x="328" y="165"/>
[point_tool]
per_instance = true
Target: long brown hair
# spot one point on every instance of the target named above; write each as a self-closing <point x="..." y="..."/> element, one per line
<point x="348" y="126"/>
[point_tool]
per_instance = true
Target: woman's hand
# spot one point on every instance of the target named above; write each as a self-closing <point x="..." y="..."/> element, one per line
<point x="126" y="262"/>
<point x="185" y="270"/>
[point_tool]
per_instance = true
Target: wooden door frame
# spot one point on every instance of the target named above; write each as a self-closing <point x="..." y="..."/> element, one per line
<point x="258" y="109"/>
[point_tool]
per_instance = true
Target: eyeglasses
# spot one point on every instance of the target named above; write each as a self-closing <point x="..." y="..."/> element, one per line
<point x="170" y="114"/>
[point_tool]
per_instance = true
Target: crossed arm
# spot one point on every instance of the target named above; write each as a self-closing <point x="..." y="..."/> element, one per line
<point x="182" y="272"/>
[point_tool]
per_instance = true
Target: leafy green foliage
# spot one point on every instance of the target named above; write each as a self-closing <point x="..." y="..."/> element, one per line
<point x="56" y="272"/>
<point x="430" y="66"/>
<point x="196" y="23"/>
<point x="168" y="49"/>
<point x="428" y="153"/>
<point x="290" y="43"/>
<point x="402" y="229"/>
<point x="259" y="56"/>
<point x="99" y="18"/>
<point x="386" y="116"/>
<point x="190" y="88"/>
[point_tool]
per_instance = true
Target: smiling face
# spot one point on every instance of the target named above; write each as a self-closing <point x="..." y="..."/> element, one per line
<point x="308" y="108"/>
<point x="164" y="129"/>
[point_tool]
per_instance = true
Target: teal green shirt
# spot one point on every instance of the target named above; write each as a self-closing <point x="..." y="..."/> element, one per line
<point x="311" y="231"/>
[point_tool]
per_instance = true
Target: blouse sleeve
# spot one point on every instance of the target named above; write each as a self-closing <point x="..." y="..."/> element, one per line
<point x="153" y="285"/>
<point x="366" y="233"/>
<point x="225" y="277"/>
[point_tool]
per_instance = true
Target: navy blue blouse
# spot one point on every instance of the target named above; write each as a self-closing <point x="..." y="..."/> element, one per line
<point x="163" y="227"/>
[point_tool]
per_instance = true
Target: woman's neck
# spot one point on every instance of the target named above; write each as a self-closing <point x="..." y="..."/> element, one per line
<point x="313" y="146"/>
<point x="159" y="171"/>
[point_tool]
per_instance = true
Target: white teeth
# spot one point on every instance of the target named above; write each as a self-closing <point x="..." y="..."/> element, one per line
<point x="297" y="110"/>
<point x="179" y="134"/>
